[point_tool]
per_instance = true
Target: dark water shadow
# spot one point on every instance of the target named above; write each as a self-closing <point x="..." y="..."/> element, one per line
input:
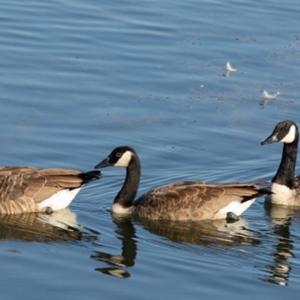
<point x="210" y="234"/>
<point x="279" y="270"/>
<point x="61" y="226"/>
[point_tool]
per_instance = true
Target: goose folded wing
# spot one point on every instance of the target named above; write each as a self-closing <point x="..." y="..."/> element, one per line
<point x="193" y="198"/>
<point x="36" y="184"/>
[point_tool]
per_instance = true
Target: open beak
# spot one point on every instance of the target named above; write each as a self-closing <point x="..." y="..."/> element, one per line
<point x="103" y="164"/>
<point x="271" y="139"/>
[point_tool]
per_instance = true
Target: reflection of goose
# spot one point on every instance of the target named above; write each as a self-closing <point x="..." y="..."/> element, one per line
<point x="281" y="217"/>
<point x="39" y="228"/>
<point x="207" y="234"/>
<point x="27" y="190"/>
<point x="118" y="263"/>
<point x="285" y="186"/>
<point x="186" y="200"/>
<point x="216" y="233"/>
<point x="63" y="218"/>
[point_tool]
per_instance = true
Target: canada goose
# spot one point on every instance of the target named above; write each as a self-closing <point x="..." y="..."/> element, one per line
<point x="26" y="189"/>
<point x="186" y="200"/>
<point x="285" y="186"/>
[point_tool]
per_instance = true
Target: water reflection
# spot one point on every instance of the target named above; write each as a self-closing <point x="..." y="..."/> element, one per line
<point x="210" y="234"/>
<point x="118" y="264"/>
<point x="215" y="233"/>
<point x="57" y="227"/>
<point x="281" y="217"/>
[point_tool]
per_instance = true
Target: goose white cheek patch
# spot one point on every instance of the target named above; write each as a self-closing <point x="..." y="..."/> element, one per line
<point x="290" y="137"/>
<point x="124" y="160"/>
<point x="281" y="193"/>
<point x="120" y="210"/>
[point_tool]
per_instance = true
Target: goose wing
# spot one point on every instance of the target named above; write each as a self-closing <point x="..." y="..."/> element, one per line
<point x="31" y="184"/>
<point x="193" y="200"/>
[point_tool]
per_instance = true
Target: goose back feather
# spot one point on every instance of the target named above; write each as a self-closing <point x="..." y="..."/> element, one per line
<point x="23" y="189"/>
<point x="192" y="200"/>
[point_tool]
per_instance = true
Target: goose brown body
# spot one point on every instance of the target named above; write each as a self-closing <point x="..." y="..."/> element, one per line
<point x="23" y="189"/>
<point x="192" y="200"/>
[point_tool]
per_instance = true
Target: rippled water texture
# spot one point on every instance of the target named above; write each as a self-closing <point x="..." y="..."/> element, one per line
<point x="78" y="78"/>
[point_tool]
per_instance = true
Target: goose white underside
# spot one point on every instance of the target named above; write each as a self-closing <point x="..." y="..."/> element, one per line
<point x="235" y="207"/>
<point x="120" y="210"/>
<point x="282" y="195"/>
<point x="59" y="200"/>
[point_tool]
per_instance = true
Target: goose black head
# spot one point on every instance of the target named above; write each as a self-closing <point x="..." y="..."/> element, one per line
<point x="119" y="157"/>
<point x="284" y="132"/>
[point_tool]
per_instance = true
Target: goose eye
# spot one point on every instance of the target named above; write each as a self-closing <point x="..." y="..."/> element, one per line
<point x="118" y="154"/>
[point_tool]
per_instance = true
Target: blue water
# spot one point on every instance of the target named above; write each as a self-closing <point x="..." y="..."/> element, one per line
<point x="78" y="78"/>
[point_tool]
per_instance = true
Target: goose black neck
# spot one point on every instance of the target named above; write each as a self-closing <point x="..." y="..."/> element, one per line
<point x="286" y="172"/>
<point x="129" y="189"/>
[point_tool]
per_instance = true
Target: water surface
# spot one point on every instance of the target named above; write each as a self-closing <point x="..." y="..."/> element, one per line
<point x="78" y="78"/>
